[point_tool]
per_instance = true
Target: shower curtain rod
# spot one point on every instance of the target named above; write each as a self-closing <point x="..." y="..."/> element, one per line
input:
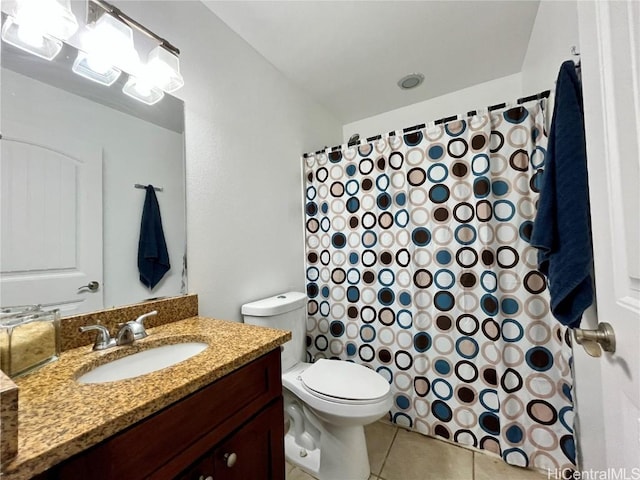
<point x="538" y="96"/>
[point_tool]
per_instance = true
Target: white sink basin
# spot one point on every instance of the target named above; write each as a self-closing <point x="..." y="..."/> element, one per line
<point x="143" y="362"/>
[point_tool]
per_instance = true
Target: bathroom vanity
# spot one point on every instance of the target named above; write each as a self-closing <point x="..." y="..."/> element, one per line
<point x="216" y="415"/>
<point x="230" y="429"/>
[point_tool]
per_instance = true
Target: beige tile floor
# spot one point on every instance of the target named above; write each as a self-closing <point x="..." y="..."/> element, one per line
<point x="397" y="454"/>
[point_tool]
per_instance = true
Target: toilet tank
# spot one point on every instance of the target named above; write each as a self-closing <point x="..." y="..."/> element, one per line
<point x="287" y="311"/>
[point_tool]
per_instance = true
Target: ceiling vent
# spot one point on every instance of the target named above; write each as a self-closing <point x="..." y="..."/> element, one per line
<point x="410" y="81"/>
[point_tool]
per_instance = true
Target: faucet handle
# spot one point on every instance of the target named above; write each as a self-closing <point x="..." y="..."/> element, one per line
<point x="142" y="318"/>
<point x="126" y="334"/>
<point x="103" y="338"/>
<point x="137" y="326"/>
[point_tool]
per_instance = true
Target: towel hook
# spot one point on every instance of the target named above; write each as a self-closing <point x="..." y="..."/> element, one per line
<point x="143" y="187"/>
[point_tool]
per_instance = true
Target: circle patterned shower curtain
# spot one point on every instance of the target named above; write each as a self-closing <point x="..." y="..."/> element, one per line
<point x="418" y="265"/>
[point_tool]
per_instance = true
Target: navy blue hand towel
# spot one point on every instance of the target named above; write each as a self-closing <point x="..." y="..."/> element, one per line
<point x="153" y="257"/>
<point x="562" y="228"/>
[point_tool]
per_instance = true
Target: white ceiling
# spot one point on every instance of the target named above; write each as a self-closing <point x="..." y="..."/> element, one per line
<point x="349" y="55"/>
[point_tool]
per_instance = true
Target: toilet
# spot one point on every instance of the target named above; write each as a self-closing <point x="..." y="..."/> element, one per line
<point x="327" y="402"/>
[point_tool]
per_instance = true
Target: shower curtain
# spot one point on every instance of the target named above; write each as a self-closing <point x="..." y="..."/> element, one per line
<point x="418" y="265"/>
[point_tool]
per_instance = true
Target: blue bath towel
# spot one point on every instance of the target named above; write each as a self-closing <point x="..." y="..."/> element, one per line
<point x="562" y="228"/>
<point x="153" y="257"/>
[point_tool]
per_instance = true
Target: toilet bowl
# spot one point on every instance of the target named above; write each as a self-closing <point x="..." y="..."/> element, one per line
<point x="327" y="403"/>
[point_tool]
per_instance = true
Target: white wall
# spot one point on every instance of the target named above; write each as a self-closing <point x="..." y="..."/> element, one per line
<point x="478" y="96"/>
<point x="554" y="33"/>
<point x="246" y="128"/>
<point x="133" y="151"/>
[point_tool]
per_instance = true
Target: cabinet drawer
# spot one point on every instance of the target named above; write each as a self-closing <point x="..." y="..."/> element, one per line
<point x="182" y="432"/>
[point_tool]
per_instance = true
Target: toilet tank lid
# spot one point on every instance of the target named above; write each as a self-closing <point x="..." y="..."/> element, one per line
<point x="285" y="302"/>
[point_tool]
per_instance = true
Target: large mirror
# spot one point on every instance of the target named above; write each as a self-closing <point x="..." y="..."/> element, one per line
<point x="72" y="155"/>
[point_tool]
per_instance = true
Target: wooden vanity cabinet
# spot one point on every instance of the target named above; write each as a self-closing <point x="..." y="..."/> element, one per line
<point x="230" y="429"/>
<point x="246" y="454"/>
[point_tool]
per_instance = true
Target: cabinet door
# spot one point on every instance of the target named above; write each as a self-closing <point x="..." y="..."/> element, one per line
<point x="255" y="451"/>
<point x="201" y="470"/>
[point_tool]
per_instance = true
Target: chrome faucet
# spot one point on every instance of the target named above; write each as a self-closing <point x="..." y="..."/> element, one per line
<point x="103" y="339"/>
<point x="127" y="334"/>
<point x="133" y="330"/>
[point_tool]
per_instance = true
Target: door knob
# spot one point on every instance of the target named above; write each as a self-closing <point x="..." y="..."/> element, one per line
<point x="593" y="340"/>
<point x="92" y="286"/>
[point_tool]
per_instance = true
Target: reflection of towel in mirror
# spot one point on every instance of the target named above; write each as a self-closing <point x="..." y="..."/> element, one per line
<point x="153" y="257"/>
<point x="562" y="229"/>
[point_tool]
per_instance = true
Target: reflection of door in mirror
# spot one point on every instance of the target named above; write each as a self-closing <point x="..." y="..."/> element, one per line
<point x="137" y="144"/>
<point x="51" y="219"/>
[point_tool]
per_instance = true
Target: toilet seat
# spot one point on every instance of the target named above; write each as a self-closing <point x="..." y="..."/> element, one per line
<point x="335" y="410"/>
<point x="344" y="382"/>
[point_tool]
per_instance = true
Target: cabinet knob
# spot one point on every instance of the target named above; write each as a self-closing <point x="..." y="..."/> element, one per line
<point x="230" y="459"/>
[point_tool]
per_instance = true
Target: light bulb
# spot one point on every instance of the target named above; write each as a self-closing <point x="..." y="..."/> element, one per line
<point x="111" y="42"/>
<point x="98" y="63"/>
<point x="52" y="17"/>
<point x="39" y="26"/>
<point x="143" y="87"/>
<point x="30" y="38"/>
<point x="30" y="35"/>
<point x="95" y="68"/>
<point x="163" y="69"/>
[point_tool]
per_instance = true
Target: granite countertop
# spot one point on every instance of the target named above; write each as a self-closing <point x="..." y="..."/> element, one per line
<point x="59" y="417"/>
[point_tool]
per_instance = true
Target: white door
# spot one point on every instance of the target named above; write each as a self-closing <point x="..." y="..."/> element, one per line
<point x="51" y="217"/>
<point x="610" y="47"/>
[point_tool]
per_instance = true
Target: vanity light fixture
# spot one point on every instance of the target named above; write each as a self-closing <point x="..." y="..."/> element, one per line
<point x="107" y="49"/>
<point x="143" y="90"/>
<point x="163" y="69"/>
<point x="93" y="69"/>
<point x="40" y="26"/>
<point x="160" y="74"/>
<point x="148" y="81"/>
